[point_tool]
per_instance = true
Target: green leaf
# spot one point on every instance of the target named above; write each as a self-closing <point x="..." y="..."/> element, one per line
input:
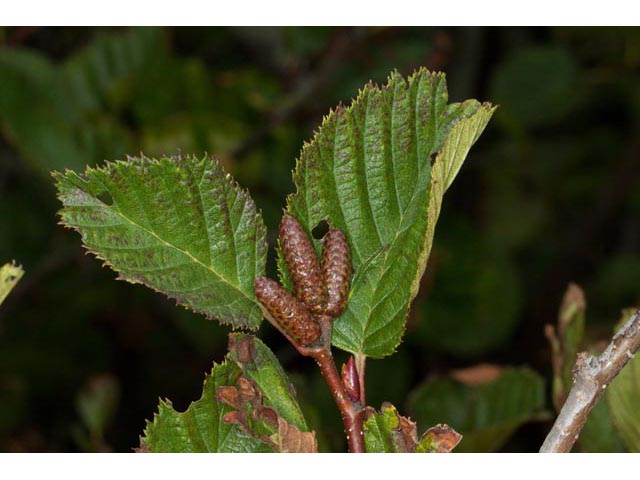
<point x="380" y="430"/>
<point x="179" y="225"/>
<point x="64" y="115"/>
<point x="259" y="364"/>
<point x="10" y="275"/>
<point x="368" y="171"/>
<point x="565" y="341"/>
<point x="97" y="75"/>
<point x="31" y="116"/>
<point x="486" y="414"/>
<point x="599" y="435"/>
<point x="201" y="427"/>
<point x="247" y="405"/>
<point x="623" y="397"/>
<point x="386" y="431"/>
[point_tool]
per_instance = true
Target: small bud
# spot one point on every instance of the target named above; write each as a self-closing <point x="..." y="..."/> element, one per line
<point x="288" y="311"/>
<point x="303" y="264"/>
<point x="351" y="380"/>
<point x="336" y="271"/>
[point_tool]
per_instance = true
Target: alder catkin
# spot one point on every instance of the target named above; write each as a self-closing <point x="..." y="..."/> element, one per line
<point x="287" y="310"/>
<point x="336" y="271"/>
<point x="303" y="265"/>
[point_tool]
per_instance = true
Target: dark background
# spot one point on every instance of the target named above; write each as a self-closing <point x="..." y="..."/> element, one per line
<point x="548" y="195"/>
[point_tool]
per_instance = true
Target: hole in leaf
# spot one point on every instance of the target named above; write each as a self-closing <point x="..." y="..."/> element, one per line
<point x="105" y="197"/>
<point x="320" y="230"/>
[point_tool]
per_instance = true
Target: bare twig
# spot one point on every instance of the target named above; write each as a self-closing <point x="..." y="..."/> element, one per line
<point x="591" y="375"/>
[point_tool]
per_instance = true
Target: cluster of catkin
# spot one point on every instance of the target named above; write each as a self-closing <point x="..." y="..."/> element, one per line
<point x="320" y="288"/>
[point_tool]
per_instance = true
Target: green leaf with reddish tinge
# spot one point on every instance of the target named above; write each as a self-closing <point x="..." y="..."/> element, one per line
<point x="380" y="429"/>
<point x="247" y="405"/>
<point x="378" y="170"/>
<point x="201" y="427"/>
<point x="179" y="225"/>
<point x="259" y="364"/>
<point x="386" y="431"/>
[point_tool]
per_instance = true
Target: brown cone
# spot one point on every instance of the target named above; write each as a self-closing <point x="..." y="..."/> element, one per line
<point x="303" y="265"/>
<point x="288" y="311"/>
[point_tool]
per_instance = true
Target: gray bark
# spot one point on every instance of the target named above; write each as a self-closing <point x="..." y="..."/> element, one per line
<point x="591" y="376"/>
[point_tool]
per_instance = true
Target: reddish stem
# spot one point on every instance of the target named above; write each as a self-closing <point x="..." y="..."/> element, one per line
<point x="351" y="412"/>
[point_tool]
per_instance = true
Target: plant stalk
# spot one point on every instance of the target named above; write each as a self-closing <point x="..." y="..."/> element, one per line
<point x="591" y="375"/>
<point x="352" y="413"/>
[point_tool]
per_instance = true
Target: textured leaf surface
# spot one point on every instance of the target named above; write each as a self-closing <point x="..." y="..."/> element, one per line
<point x="247" y="405"/>
<point x="623" y="397"/>
<point x="10" y="275"/>
<point x="259" y="364"/>
<point x="386" y="431"/>
<point x="178" y="225"/>
<point x="263" y="422"/>
<point x="368" y="171"/>
<point x="201" y="427"/>
<point x="439" y="439"/>
<point x="486" y="414"/>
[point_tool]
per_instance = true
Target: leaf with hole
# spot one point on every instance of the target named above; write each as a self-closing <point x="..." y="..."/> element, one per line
<point x="247" y="406"/>
<point x="377" y="171"/>
<point x="201" y="428"/>
<point x="178" y="225"/>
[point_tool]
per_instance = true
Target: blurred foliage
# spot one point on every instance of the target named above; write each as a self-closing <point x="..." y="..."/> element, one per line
<point x="547" y="197"/>
<point x="623" y="395"/>
<point x="486" y="411"/>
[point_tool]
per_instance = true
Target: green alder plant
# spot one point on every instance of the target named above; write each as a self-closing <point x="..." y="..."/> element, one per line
<point x="376" y="173"/>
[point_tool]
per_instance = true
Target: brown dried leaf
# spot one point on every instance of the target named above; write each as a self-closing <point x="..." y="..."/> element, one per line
<point x="407" y="436"/>
<point x="289" y="439"/>
<point x="228" y="396"/>
<point x="143" y="448"/>
<point x="439" y="439"/>
<point x="246" y="398"/>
